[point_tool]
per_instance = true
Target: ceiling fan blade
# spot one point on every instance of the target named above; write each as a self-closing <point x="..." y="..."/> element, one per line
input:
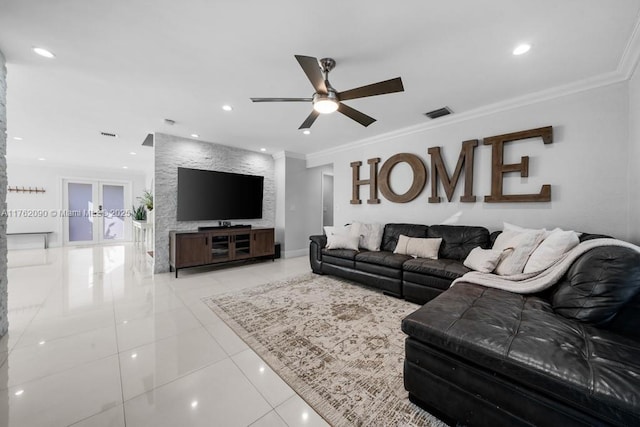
<point x="311" y="68"/>
<point x="309" y="121"/>
<point x="356" y="115"/>
<point x="380" y="88"/>
<point x="281" y="99"/>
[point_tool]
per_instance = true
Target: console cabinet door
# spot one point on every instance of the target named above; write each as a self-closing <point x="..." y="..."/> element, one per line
<point x="191" y="249"/>
<point x="262" y="242"/>
<point x="221" y="247"/>
<point x="242" y="245"/>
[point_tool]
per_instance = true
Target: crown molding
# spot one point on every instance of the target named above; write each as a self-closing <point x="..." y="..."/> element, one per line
<point x="321" y="157"/>
<point x="288" y="154"/>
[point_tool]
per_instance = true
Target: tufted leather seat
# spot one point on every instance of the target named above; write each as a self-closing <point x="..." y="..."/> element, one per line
<point x="387" y="259"/>
<point x="458" y="240"/>
<point x="522" y="339"/>
<point x="393" y="231"/>
<point x="340" y="253"/>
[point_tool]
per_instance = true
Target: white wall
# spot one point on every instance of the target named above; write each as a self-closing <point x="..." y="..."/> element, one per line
<point x="586" y="166"/>
<point x="4" y="318"/>
<point x="171" y="152"/>
<point x="280" y="172"/>
<point x="298" y="202"/>
<point x="50" y="178"/>
<point x="634" y="157"/>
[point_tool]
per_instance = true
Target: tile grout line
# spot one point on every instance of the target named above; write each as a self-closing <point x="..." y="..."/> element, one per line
<point x="115" y="326"/>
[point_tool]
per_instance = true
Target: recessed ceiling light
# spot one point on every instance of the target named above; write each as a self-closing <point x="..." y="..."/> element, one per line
<point x="41" y="159"/>
<point x="125" y="167"/>
<point x="263" y="149"/>
<point x="227" y="107"/>
<point x="194" y="404"/>
<point x="306" y="132"/>
<point x="17" y="138"/>
<point x="195" y="135"/>
<point x="43" y="52"/>
<point x="19" y="392"/>
<point x="134" y="355"/>
<point x="133" y="153"/>
<point x="521" y="49"/>
<point x="42" y="342"/>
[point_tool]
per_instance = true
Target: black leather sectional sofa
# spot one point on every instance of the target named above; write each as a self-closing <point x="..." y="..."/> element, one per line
<point x="480" y="356"/>
<point x="417" y="280"/>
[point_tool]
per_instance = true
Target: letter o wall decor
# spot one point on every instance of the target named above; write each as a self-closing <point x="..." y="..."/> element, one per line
<point x="419" y="177"/>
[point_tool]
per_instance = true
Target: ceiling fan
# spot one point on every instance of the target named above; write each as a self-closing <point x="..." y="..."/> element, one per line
<point x="327" y="100"/>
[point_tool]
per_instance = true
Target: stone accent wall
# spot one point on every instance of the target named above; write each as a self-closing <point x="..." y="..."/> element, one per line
<point x="171" y="152"/>
<point x="4" y="320"/>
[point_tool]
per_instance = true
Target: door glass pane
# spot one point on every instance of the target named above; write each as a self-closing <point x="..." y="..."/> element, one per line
<point x="113" y="204"/>
<point x="80" y="212"/>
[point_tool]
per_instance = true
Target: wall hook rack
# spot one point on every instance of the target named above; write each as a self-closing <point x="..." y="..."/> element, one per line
<point x="16" y="189"/>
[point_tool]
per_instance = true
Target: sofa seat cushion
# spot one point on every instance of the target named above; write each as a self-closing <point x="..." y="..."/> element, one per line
<point x="349" y="254"/>
<point x="342" y="257"/>
<point x="521" y="338"/>
<point x="383" y="258"/>
<point x="444" y="268"/>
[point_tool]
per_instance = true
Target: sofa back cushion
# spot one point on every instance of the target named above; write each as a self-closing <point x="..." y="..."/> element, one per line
<point x="393" y="231"/>
<point x="459" y="240"/>
<point x="598" y="285"/>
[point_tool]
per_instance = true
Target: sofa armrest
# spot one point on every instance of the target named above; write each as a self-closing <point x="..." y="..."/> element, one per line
<point x="315" y="252"/>
<point x="320" y="239"/>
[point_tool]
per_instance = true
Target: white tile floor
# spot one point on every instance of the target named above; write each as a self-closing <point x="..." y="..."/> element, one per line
<point x="96" y="340"/>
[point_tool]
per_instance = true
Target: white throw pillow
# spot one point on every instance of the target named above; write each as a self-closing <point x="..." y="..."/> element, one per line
<point x="512" y="227"/>
<point x="347" y="229"/>
<point x="483" y="260"/>
<point x="518" y="250"/>
<point x="370" y="236"/>
<point x="416" y="247"/>
<point x="343" y="241"/>
<point x="551" y="249"/>
<point x="504" y="239"/>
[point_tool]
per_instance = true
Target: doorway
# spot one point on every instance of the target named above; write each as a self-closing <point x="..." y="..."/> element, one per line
<point x="327" y="199"/>
<point x="95" y="212"/>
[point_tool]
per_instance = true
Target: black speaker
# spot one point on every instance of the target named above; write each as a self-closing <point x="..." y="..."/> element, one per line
<point x="277" y="252"/>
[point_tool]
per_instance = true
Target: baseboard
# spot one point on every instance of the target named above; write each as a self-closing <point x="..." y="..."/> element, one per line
<point x="296" y="253"/>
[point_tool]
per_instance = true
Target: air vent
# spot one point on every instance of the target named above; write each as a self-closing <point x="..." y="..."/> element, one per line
<point x="109" y="134"/>
<point x="444" y="111"/>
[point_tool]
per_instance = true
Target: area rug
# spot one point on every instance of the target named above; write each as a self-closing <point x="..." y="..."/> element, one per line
<point x="336" y="343"/>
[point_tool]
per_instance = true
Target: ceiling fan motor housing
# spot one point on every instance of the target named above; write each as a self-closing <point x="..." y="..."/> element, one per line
<point x="327" y="64"/>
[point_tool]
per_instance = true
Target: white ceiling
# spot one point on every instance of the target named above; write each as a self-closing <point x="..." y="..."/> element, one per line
<point x="124" y="66"/>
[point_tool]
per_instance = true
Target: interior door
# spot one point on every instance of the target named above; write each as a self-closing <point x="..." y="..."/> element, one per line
<point x="95" y="211"/>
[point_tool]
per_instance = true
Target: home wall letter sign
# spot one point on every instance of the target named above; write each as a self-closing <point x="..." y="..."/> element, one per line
<point x="498" y="168"/>
<point x="439" y="173"/>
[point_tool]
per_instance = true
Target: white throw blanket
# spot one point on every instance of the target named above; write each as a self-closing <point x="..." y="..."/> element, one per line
<point x="527" y="283"/>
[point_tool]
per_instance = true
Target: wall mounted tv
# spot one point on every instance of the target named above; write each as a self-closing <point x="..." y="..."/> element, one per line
<point x="212" y="195"/>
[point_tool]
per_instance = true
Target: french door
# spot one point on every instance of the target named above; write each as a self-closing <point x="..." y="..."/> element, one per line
<point x="95" y="211"/>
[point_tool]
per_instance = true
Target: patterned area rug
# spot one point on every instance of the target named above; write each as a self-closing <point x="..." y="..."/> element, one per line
<point x="337" y="344"/>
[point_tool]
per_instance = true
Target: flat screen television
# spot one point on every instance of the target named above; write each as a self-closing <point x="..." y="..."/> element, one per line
<point x="212" y="195"/>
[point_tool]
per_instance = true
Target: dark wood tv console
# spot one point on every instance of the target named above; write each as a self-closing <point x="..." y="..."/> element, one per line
<point x="220" y="245"/>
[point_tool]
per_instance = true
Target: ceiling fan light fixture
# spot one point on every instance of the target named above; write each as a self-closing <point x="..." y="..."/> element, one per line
<point x="325" y="106"/>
